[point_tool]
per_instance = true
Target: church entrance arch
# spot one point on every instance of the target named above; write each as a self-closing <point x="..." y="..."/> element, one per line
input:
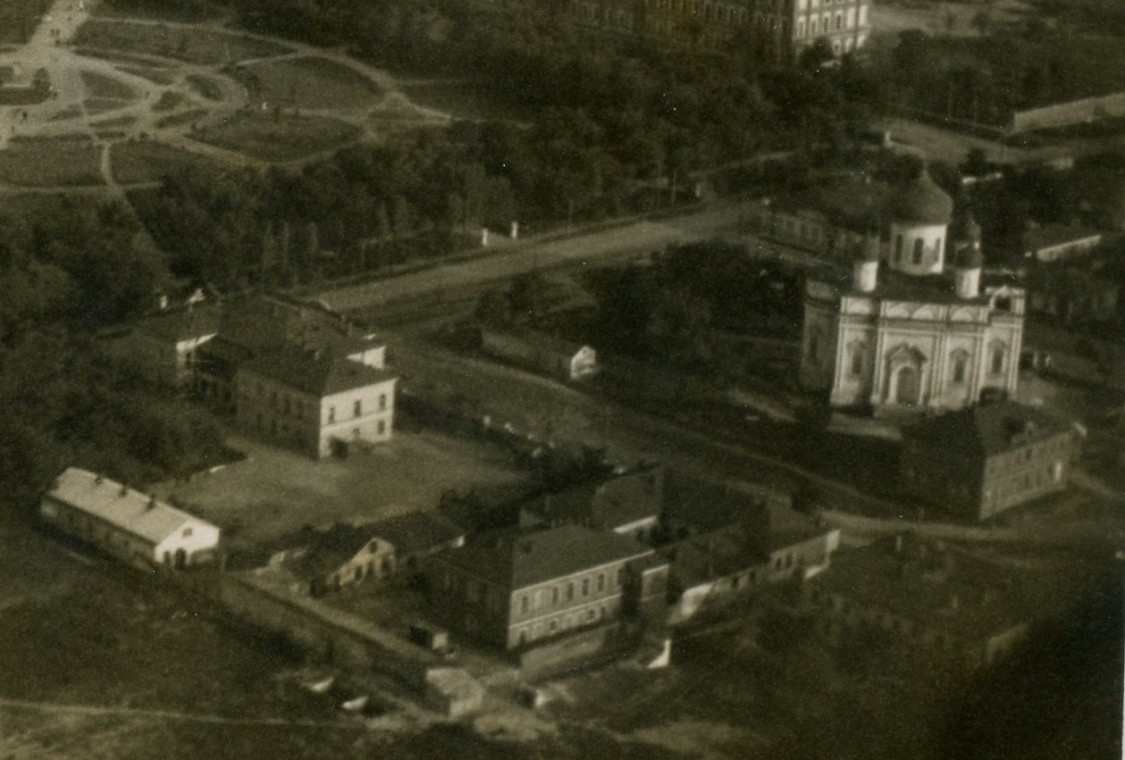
<point x="906" y="385"/>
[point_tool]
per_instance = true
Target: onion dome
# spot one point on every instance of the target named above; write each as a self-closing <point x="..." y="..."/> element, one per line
<point x="923" y="202"/>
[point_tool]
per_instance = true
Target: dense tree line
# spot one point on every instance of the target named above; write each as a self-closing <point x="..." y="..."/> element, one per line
<point x="62" y="402"/>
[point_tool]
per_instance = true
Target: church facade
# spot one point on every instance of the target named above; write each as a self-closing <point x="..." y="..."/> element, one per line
<point x="908" y="332"/>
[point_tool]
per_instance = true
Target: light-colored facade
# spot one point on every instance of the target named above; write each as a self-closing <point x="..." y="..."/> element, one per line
<point x="314" y="404"/>
<point x="905" y="335"/>
<point x="776" y="29"/>
<point x="126" y="523"/>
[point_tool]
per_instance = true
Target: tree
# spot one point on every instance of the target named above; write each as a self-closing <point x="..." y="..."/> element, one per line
<point x="527" y="298"/>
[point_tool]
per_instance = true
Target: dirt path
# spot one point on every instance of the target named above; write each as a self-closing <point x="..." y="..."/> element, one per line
<point x="132" y="712"/>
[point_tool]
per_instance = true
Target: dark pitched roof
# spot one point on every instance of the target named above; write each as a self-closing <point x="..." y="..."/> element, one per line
<point x="269" y="322"/>
<point x="313" y="553"/>
<point x="541" y="340"/>
<point x="619" y="500"/>
<point x="987" y="428"/>
<point x="315" y="374"/>
<point x="416" y="532"/>
<point x="935" y="586"/>
<point x="182" y="323"/>
<point x="1050" y="235"/>
<point x="514" y="560"/>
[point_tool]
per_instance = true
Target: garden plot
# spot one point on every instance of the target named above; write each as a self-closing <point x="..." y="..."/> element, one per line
<point x="135" y="162"/>
<point x="312" y="83"/>
<point x="202" y="46"/>
<point x="51" y="161"/>
<point x="277" y="136"/>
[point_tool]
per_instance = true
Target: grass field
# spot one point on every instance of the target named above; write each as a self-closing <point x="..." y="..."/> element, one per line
<point x="308" y="83"/>
<point x="169" y="100"/>
<point x="151" y="73"/>
<point x="276" y="491"/>
<point x="280" y="137"/>
<point x="101" y="86"/>
<point x="205" y="86"/>
<point x="192" y="45"/>
<point x="46" y="162"/>
<point x="19" y="19"/>
<point x="151" y="161"/>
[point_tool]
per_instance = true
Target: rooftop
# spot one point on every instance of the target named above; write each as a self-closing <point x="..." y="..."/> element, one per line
<point x="933" y="586"/>
<point x="315" y="552"/>
<point x="987" y="429"/>
<point x="898" y="286"/>
<point x="132" y="511"/>
<point x="315" y="373"/>
<point x="514" y="560"/>
<point x="182" y="323"/>
<point x="549" y="342"/>
<point x="612" y="503"/>
<point x="1051" y="235"/>
<point x="414" y="532"/>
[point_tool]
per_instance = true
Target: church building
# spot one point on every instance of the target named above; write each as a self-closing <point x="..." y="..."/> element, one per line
<point x="913" y="327"/>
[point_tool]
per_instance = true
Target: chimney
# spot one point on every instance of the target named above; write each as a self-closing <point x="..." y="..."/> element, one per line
<point x="124" y="490"/>
<point x="151" y="503"/>
<point x="98" y="479"/>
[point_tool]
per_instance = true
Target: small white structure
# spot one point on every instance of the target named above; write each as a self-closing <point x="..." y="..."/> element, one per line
<point x="125" y="523"/>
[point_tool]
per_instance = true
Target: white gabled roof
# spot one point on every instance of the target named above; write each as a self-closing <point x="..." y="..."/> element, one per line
<point x="132" y="511"/>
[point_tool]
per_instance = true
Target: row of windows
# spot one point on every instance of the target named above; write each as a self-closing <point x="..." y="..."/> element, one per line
<point x="1026" y="482"/>
<point x="801" y="4"/>
<point x="1024" y="456"/>
<point x="918" y="252"/>
<point x="958" y="365"/>
<point x="287" y="404"/>
<point x="540" y="629"/>
<point x="825" y="24"/>
<point x="565" y="593"/>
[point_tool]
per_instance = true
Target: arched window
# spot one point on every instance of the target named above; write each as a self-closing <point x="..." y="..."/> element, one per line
<point x="839" y="20"/>
<point x="898" y="248"/>
<point x="960" y="367"/>
<point x="856" y="361"/>
<point x="918" y="246"/>
<point x="997" y="359"/>
<point x="812" y="27"/>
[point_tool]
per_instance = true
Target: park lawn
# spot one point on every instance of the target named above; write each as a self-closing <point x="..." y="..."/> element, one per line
<point x="135" y="162"/>
<point x="154" y="74"/>
<point x="310" y="82"/>
<point x="20" y="18"/>
<point x="201" y="46"/>
<point x="276" y="491"/>
<point x="102" y="86"/>
<point x="278" y="136"/>
<point x="47" y="162"/>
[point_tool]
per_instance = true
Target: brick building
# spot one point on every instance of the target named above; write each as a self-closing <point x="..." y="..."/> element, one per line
<point x="515" y="588"/>
<point x="985" y="459"/>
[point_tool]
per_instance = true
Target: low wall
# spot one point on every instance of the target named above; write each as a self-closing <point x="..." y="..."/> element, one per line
<point x="324" y="631"/>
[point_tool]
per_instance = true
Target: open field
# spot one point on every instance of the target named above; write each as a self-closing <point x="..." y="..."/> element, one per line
<point x="276" y="491"/>
<point x="278" y="137"/>
<point x="184" y="44"/>
<point x="307" y="83"/>
<point x="45" y="162"/>
<point x="150" y="161"/>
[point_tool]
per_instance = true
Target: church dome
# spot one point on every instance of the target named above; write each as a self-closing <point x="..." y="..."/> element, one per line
<point x="923" y="202"/>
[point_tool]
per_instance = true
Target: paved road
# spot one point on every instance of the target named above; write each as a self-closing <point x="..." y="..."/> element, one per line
<point x="584" y="249"/>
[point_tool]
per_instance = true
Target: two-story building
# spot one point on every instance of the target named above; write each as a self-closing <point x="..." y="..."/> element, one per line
<point x="980" y="461"/>
<point x="628" y="503"/>
<point x="314" y="403"/>
<point x="925" y="596"/>
<point x="126" y="523"/>
<point x="515" y="588"/>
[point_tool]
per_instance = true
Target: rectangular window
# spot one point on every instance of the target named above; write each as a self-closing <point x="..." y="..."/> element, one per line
<point x="524" y="603"/>
<point x="585" y="587"/>
<point x="382" y="427"/>
<point x="358" y="407"/>
<point x="918" y="250"/>
<point x="570" y="591"/>
<point x="382" y="402"/>
<point x="601" y="582"/>
<point x="331" y="414"/>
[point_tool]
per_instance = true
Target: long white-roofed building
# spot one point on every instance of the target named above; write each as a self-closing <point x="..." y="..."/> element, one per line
<point x="126" y="523"/>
